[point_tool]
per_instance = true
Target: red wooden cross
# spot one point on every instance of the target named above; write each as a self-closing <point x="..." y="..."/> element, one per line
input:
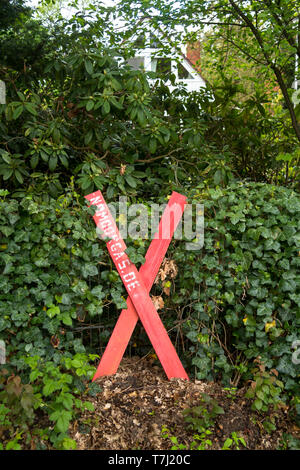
<point x="138" y="285"/>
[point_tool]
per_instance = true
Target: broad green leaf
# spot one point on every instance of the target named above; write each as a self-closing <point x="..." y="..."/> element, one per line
<point x="131" y="181"/>
<point x="44" y="155"/>
<point x="89" y="406"/>
<point x="52" y="162"/>
<point x="88" y="66"/>
<point x="105" y="107"/>
<point x="115" y="103"/>
<point x="85" y="182"/>
<point x="90" y="104"/>
<point x="50" y="387"/>
<point x="53" y="310"/>
<point x="30" y="107"/>
<point x="67" y="400"/>
<point x="152" y="145"/>
<point x="88" y="137"/>
<point x="69" y="444"/>
<point x="21" y="96"/>
<point x="228" y="443"/>
<point x="64" y="160"/>
<point x="62" y="419"/>
<point x="7" y="173"/>
<point x="66" y="319"/>
<point x="6" y="157"/>
<point x="34" y="160"/>
<point x="19" y="176"/>
<point x="258" y="404"/>
<point x="17" y="112"/>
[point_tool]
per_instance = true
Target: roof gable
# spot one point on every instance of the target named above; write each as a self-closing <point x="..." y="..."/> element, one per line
<point x="165" y="61"/>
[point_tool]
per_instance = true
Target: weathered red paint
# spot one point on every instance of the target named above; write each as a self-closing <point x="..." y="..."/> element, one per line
<point x="138" y="285"/>
<point x="128" y="318"/>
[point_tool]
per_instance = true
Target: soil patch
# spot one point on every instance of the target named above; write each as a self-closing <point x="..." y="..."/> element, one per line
<point x="134" y="405"/>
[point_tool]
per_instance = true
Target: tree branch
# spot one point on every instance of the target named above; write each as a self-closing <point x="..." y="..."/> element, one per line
<point x="287" y="99"/>
<point x="247" y="54"/>
<point x="271" y="64"/>
<point x="159" y="156"/>
<point x="290" y="39"/>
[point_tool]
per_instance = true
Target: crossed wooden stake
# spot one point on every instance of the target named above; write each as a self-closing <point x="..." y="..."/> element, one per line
<point x="138" y="285"/>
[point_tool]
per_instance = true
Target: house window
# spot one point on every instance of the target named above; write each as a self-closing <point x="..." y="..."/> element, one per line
<point x="140" y="42"/>
<point x="161" y="66"/>
<point x="154" y="42"/>
<point x="183" y="73"/>
<point x="136" y="62"/>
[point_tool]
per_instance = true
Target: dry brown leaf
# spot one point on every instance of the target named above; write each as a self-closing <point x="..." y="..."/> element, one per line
<point x="157" y="301"/>
<point x="81" y="313"/>
<point x="168" y="269"/>
<point x="122" y="169"/>
<point x="166" y="288"/>
<point x="54" y="341"/>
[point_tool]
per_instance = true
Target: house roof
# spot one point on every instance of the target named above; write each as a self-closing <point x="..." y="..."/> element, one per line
<point x="187" y="57"/>
<point x="193" y="66"/>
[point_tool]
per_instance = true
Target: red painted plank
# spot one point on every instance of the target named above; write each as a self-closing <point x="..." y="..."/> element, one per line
<point x="137" y="291"/>
<point x="128" y="318"/>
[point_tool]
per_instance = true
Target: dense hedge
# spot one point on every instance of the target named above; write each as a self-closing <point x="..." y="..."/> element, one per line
<point x="244" y="286"/>
<point x="51" y="290"/>
<point x="233" y="301"/>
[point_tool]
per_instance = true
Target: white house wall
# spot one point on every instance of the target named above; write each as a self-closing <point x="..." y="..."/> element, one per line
<point x="149" y="54"/>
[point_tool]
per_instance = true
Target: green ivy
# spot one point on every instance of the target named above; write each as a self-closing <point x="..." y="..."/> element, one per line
<point x="243" y="286"/>
<point x="234" y="300"/>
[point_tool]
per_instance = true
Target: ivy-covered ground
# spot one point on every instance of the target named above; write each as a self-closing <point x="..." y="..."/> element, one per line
<point x="232" y="312"/>
<point x="139" y="409"/>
